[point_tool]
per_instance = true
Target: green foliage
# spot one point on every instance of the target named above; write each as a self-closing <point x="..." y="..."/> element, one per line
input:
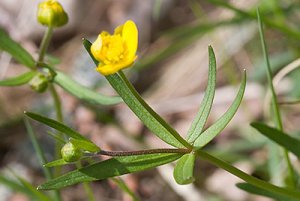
<point x="184" y="169"/>
<point x="19" y="80"/>
<point x="258" y="191"/>
<point x="221" y="123"/>
<point x="290" y="143"/>
<point x="110" y="168"/>
<point x="57" y="125"/>
<point x="82" y="92"/>
<point x="205" y="107"/>
<point x="15" y="50"/>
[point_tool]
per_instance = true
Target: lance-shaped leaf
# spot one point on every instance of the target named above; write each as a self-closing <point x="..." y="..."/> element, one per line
<point x="58" y="162"/>
<point x="142" y="110"/>
<point x="82" y="92"/>
<point x="58" y="126"/>
<point x="184" y="169"/>
<point x="221" y="123"/>
<point x="15" y="50"/>
<point x="259" y="191"/>
<point x="290" y="143"/>
<point x="110" y="168"/>
<point x="19" y="80"/>
<point x="205" y="106"/>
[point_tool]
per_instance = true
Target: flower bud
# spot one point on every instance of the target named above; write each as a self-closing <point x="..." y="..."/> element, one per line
<point x="70" y="153"/>
<point x="51" y="13"/>
<point x="39" y="83"/>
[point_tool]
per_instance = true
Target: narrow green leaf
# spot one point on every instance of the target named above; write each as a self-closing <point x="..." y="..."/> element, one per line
<point x="84" y="145"/>
<point x="56" y="125"/>
<point x="15" y="50"/>
<point x="19" y="80"/>
<point x="184" y="169"/>
<point x="205" y="106"/>
<point x="290" y="143"/>
<point x="221" y="123"/>
<point x="82" y="92"/>
<point x="259" y="191"/>
<point x="110" y="168"/>
<point x="58" y="162"/>
<point x="142" y="110"/>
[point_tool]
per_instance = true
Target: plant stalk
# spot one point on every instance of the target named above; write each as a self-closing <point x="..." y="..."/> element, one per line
<point x="141" y="152"/>
<point x="275" y="105"/>
<point x="45" y="43"/>
<point x="248" y="178"/>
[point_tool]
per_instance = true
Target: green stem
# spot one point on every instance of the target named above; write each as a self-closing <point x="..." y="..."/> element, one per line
<point x="141" y="152"/>
<point x="45" y="43"/>
<point x="248" y="178"/>
<point x="275" y="105"/>
<point x="43" y="48"/>
<point x="57" y="103"/>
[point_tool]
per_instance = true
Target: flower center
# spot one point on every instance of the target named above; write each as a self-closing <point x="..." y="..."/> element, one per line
<point x="113" y="49"/>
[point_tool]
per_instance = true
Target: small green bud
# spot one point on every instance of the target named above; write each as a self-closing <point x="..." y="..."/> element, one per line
<point x="39" y="83"/>
<point x="51" y="13"/>
<point x="70" y="153"/>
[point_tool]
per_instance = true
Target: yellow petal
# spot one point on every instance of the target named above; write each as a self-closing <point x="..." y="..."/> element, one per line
<point x="130" y="37"/>
<point x="113" y="68"/>
<point x="96" y="48"/>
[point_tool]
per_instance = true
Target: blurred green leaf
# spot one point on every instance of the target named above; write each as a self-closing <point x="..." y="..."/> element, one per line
<point x="281" y="138"/>
<point x="259" y="191"/>
<point x="85" y="145"/>
<point x="57" y="125"/>
<point x="205" y="107"/>
<point x="221" y="123"/>
<point x="184" y="169"/>
<point x="110" y="168"/>
<point x="82" y="92"/>
<point x="15" y="50"/>
<point x="19" y="80"/>
<point x="58" y="162"/>
<point x="122" y="185"/>
<point x="15" y="185"/>
<point x="35" y="193"/>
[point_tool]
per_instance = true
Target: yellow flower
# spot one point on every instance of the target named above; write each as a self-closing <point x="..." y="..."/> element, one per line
<point x="117" y="51"/>
<point x="51" y="13"/>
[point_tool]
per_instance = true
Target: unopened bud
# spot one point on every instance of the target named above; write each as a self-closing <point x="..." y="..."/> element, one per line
<point x="70" y="153"/>
<point x="39" y="83"/>
<point x="51" y="13"/>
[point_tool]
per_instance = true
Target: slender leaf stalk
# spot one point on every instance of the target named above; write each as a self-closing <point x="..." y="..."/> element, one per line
<point x="45" y="43"/>
<point x="295" y="195"/>
<point x="275" y="105"/>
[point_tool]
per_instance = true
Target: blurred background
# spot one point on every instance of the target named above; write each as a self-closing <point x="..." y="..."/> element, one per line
<point x="171" y="74"/>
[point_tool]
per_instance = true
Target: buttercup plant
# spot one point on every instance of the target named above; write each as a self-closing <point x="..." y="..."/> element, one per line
<point x="111" y="54"/>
